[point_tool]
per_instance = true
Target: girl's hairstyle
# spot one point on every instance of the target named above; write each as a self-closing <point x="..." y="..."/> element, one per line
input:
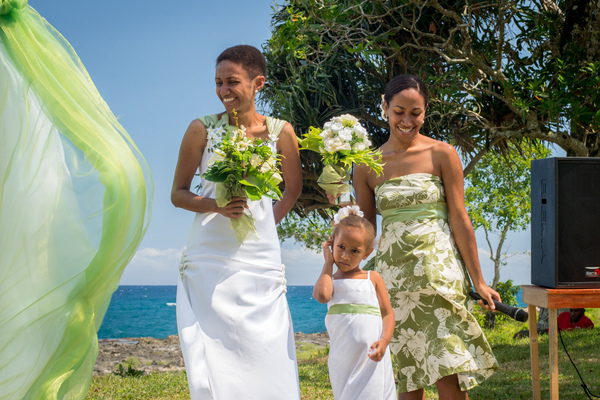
<point x="249" y="57"/>
<point x="403" y="82"/>
<point x="351" y="216"/>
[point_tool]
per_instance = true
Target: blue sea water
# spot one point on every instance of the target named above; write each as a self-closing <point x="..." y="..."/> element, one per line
<point x="149" y="311"/>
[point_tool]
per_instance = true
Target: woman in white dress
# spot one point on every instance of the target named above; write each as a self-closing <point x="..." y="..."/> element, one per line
<point x="233" y="318"/>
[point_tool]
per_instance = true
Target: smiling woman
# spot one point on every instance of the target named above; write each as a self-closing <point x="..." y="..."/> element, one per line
<point x="426" y="252"/>
<point x="232" y="313"/>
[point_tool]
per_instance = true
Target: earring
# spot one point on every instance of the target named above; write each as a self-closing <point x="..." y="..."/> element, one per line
<point x="255" y="91"/>
<point x="382" y="107"/>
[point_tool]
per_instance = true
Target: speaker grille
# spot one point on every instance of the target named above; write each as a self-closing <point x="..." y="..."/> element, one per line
<point x="566" y="191"/>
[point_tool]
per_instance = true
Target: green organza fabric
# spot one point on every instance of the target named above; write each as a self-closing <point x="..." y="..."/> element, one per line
<point x="75" y="201"/>
<point x="334" y="179"/>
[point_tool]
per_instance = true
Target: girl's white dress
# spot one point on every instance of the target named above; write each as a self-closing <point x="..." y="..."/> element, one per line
<point x="354" y="323"/>
<point x="233" y="318"/>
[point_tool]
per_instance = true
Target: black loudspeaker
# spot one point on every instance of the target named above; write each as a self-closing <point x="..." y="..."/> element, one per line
<point x="565" y="222"/>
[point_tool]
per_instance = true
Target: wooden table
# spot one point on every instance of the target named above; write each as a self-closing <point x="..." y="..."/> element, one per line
<point x="552" y="299"/>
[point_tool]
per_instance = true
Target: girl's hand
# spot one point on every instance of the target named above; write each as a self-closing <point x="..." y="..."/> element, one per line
<point x="235" y="208"/>
<point x="488" y="294"/>
<point x="377" y="350"/>
<point x="327" y="252"/>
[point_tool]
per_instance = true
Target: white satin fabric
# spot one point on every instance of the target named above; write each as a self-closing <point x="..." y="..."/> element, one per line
<point x="233" y="318"/>
<point x="353" y="375"/>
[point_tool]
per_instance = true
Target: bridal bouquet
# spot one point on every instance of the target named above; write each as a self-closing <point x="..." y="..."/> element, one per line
<point x="343" y="141"/>
<point x="245" y="168"/>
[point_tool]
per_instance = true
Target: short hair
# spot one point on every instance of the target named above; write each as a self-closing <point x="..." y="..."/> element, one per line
<point x="249" y="57"/>
<point x="403" y="82"/>
<point x="356" y="221"/>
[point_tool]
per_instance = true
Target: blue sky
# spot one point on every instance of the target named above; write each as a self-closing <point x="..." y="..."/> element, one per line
<point x="153" y="63"/>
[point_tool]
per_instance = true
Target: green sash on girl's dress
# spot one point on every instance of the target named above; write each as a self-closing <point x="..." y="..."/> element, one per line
<point x="75" y="202"/>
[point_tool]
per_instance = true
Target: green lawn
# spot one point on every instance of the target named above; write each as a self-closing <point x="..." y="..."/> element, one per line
<point x="512" y="381"/>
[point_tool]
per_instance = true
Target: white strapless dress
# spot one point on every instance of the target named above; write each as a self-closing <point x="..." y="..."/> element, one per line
<point x="354" y="323"/>
<point x="233" y="318"/>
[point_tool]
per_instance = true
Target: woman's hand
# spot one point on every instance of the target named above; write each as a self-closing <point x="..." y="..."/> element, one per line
<point x="489" y="295"/>
<point x="235" y="208"/>
<point x="377" y="350"/>
<point x="332" y="198"/>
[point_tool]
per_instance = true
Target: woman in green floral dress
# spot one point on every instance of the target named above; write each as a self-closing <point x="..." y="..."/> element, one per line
<point x="426" y="252"/>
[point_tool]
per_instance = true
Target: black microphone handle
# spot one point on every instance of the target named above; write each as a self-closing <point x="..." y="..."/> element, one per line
<point x="513" y="312"/>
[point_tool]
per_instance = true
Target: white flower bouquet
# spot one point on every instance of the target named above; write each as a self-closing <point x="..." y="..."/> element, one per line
<point x="343" y="141"/>
<point x="242" y="167"/>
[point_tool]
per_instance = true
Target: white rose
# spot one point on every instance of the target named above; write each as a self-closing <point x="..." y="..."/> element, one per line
<point x="347" y="120"/>
<point x="335" y="144"/>
<point x="360" y="131"/>
<point x="326" y="134"/>
<point x="345" y="134"/>
<point x="359" y="146"/>
<point x="336" y="126"/>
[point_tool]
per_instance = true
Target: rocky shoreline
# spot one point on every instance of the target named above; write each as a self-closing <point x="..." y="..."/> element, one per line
<point x="161" y="355"/>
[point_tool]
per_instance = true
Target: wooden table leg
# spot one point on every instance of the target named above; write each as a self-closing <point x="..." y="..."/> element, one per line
<point x="533" y="348"/>
<point x="553" y="343"/>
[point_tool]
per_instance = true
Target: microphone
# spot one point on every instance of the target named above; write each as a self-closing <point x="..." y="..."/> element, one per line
<point x="513" y="312"/>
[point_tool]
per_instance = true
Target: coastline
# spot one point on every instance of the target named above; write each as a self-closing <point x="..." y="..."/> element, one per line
<point x="163" y="355"/>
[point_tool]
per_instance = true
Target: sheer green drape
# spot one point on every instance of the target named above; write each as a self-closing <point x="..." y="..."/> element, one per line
<point x="75" y="202"/>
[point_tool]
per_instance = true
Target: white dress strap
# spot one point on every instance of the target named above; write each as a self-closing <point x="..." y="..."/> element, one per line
<point x="369" y="275"/>
<point x="274" y="126"/>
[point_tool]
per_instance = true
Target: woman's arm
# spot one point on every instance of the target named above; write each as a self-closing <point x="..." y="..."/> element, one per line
<point x="323" y="289"/>
<point x="365" y="197"/>
<point x="462" y="229"/>
<point x="190" y="156"/>
<point x="387" y="314"/>
<point x="287" y="147"/>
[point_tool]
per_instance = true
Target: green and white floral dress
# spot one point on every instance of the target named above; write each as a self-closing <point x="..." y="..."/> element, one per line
<point x="435" y="335"/>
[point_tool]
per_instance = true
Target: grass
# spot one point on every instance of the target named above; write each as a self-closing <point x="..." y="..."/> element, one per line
<point x="511" y="381"/>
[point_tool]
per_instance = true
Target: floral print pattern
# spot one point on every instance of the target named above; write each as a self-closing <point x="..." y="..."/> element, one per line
<point x="435" y="335"/>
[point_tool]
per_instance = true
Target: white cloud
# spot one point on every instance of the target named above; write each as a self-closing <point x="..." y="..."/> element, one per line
<point x="151" y="266"/>
<point x="518" y="267"/>
<point x="302" y="266"/>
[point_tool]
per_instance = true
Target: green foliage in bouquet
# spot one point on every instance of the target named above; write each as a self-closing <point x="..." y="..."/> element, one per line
<point x="242" y="167"/>
<point x="240" y="163"/>
<point x="342" y="141"/>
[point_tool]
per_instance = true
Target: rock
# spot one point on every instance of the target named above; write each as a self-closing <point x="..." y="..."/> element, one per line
<point x="160" y="355"/>
<point x="154" y="355"/>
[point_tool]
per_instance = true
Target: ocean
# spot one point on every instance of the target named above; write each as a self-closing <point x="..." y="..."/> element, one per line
<point x="149" y="311"/>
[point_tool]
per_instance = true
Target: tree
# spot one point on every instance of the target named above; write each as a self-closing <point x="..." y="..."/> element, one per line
<point x="500" y="72"/>
<point x="311" y="232"/>
<point x="497" y="196"/>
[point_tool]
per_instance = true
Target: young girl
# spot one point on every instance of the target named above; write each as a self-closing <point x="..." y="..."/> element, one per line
<point x="360" y="320"/>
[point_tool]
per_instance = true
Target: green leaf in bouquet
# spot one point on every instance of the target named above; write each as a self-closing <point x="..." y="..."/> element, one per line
<point x="312" y="140"/>
<point x="253" y="192"/>
<point x="215" y="175"/>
